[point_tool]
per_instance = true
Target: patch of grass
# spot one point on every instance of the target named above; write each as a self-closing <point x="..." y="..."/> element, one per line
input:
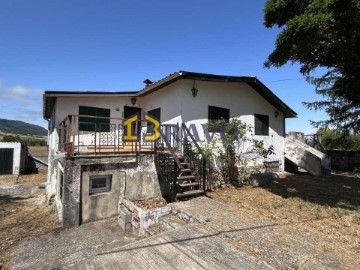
<point x="21" y="219"/>
<point x="327" y="208"/>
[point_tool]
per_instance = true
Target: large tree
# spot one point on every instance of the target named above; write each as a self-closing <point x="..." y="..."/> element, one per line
<point x="322" y="34"/>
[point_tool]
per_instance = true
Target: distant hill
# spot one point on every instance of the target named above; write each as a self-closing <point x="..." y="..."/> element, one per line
<point x="20" y="127"/>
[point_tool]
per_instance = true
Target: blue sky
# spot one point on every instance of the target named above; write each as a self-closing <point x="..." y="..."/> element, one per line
<point x="115" y="45"/>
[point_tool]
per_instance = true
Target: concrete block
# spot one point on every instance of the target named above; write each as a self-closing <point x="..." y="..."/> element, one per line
<point x="124" y="225"/>
<point x="125" y="215"/>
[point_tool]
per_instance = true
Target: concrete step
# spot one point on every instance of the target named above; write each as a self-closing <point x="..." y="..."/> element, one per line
<point x="192" y="184"/>
<point x="155" y="229"/>
<point x="171" y="222"/>
<point x="190" y="193"/>
<point x="186" y="177"/>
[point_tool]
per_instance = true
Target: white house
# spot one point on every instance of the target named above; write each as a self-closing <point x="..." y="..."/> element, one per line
<point x="90" y="157"/>
<point x="12" y="158"/>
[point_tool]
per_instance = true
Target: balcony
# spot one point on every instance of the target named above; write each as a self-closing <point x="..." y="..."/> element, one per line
<point x="84" y="135"/>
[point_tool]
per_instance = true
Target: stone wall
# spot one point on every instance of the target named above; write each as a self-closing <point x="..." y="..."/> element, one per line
<point x="344" y="160"/>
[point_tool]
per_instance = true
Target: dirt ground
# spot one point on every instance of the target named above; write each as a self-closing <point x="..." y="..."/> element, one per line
<point x="326" y="207"/>
<point x="23" y="213"/>
<point x="38" y="151"/>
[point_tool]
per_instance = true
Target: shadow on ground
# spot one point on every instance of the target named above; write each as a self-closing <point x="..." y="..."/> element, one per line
<point x="335" y="190"/>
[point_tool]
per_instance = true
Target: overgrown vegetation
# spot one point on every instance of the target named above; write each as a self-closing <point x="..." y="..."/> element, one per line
<point x="28" y="141"/>
<point x="233" y="153"/>
<point x="331" y="139"/>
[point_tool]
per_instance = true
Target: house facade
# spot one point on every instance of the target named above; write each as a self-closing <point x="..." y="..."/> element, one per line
<point x="91" y="163"/>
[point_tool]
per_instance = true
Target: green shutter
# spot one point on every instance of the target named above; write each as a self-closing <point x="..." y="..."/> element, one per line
<point x="156" y="113"/>
<point x="261" y="124"/>
<point x="91" y="123"/>
<point x="215" y="114"/>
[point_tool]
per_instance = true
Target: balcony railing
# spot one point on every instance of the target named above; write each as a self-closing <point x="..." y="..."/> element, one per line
<point x="106" y="136"/>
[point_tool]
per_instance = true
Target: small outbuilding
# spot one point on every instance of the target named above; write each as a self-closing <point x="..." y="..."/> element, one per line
<point x="13" y="158"/>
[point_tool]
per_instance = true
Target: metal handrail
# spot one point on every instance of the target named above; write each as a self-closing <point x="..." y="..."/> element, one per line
<point x="196" y="144"/>
<point x="170" y="148"/>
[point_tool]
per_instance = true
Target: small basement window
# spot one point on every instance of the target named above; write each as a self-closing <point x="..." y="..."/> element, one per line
<point x="99" y="184"/>
<point x="261" y="124"/>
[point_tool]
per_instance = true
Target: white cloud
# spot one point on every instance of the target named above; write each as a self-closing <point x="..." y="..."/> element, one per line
<point x="19" y="90"/>
<point x="20" y="102"/>
<point x="20" y="93"/>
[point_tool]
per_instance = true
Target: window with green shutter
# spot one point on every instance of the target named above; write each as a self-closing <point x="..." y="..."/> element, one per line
<point x="93" y="123"/>
<point x="261" y="124"/>
<point x="215" y="114"/>
<point x="156" y="113"/>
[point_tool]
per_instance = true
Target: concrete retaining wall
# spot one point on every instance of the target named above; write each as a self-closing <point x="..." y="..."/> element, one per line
<point x="131" y="179"/>
<point x="140" y="219"/>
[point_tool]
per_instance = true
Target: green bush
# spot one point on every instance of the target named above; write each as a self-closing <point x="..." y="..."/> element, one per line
<point x="331" y="139"/>
<point x="24" y="140"/>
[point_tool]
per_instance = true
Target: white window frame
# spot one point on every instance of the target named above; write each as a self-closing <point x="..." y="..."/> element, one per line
<point x="107" y="188"/>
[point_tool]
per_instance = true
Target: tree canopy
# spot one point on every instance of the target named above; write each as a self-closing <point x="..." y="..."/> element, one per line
<point x="326" y="34"/>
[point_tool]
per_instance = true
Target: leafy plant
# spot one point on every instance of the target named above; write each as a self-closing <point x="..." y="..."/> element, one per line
<point x="234" y="153"/>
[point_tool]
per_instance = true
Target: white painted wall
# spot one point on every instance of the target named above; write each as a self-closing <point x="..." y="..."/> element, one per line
<point x="243" y="102"/>
<point x="178" y="105"/>
<point x="17" y="154"/>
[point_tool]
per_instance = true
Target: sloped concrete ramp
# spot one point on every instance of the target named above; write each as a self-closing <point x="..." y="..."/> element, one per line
<point x="188" y="247"/>
<point x="306" y="157"/>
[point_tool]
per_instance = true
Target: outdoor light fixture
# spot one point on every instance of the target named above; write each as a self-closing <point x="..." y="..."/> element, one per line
<point x="194" y="91"/>
<point x="133" y="100"/>
<point x="276" y="114"/>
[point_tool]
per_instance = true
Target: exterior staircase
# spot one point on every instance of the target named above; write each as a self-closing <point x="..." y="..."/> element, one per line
<point x="186" y="184"/>
<point x="183" y="171"/>
<point x="306" y="157"/>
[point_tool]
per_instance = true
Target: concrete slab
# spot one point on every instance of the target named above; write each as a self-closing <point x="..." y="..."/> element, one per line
<point x="187" y="247"/>
<point x="17" y="191"/>
<point x="57" y="250"/>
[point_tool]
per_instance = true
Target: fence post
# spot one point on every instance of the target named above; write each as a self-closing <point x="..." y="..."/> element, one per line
<point x="204" y="173"/>
<point x="174" y="182"/>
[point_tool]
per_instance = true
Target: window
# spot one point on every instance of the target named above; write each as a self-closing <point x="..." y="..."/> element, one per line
<point x="99" y="183"/>
<point x="214" y="115"/>
<point x="154" y="114"/>
<point x="261" y="124"/>
<point x="92" y="123"/>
